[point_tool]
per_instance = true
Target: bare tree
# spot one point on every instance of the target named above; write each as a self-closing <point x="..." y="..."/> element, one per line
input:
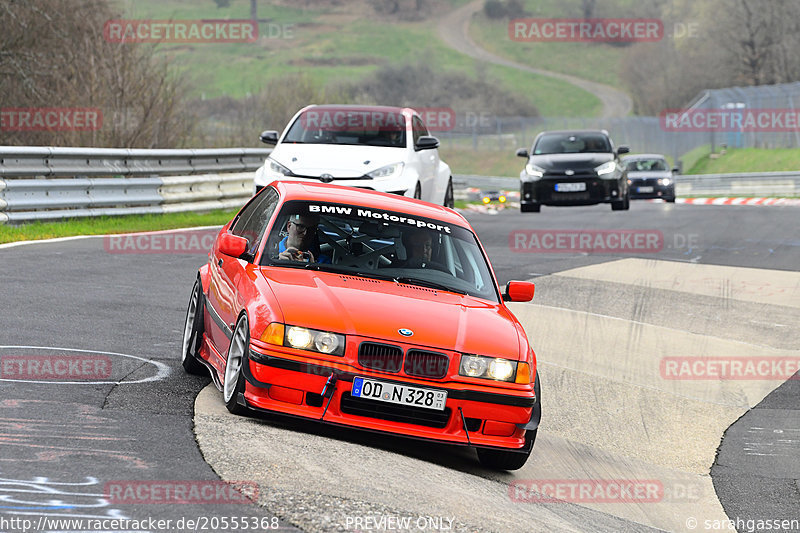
<point x="53" y="54"/>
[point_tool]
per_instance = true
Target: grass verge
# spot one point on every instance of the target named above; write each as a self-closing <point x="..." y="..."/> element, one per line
<point x="110" y="225"/>
<point x="748" y="160"/>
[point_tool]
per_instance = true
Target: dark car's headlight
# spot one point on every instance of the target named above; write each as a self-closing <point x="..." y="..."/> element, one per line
<point x="301" y="338"/>
<point x="495" y="368"/>
<point x="277" y="167"/>
<point x="533" y="171"/>
<point x="664" y="181"/>
<point x="606" y="170"/>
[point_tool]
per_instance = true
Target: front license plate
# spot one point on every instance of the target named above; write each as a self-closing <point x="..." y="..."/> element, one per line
<point x="383" y="391"/>
<point x="571" y="187"/>
<point x="645" y="189"/>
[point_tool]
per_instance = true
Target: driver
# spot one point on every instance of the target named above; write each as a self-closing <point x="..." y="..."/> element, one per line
<point x="301" y="242"/>
<point x="419" y="249"/>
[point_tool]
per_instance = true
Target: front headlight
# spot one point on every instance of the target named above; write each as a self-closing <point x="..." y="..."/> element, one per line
<point x="664" y="181"/>
<point x="304" y="338"/>
<point x="388" y="171"/>
<point x="314" y="340"/>
<point x="606" y="168"/>
<point x="277" y="167"/>
<point x="533" y="171"/>
<point x="477" y="366"/>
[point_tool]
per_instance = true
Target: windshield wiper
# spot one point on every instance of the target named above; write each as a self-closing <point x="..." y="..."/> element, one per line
<point x="427" y="283"/>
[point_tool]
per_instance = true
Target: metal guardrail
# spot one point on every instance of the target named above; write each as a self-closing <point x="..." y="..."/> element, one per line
<point x="741" y="184"/>
<point x="755" y="184"/>
<point x="45" y="183"/>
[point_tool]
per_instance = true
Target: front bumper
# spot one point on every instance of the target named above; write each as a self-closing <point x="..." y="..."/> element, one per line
<point x="596" y="191"/>
<point x="650" y="188"/>
<point x="482" y="418"/>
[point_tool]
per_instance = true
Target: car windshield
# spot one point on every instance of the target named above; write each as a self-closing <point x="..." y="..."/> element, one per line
<point x="640" y="165"/>
<point x="380" y="244"/>
<point x="365" y="127"/>
<point x="568" y="143"/>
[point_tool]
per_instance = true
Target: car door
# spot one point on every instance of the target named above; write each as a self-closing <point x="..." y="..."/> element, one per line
<point x="228" y="273"/>
<point x="426" y="161"/>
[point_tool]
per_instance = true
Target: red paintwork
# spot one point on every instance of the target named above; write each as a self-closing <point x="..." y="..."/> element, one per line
<point x="232" y="245"/>
<point x="520" y="291"/>
<point x="366" y="309"/>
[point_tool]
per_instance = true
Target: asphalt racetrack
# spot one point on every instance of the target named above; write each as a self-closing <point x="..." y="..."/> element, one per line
<point x="620" y="317"/>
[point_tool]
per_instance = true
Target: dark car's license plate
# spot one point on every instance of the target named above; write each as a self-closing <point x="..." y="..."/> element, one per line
<point x="571" y="187"/>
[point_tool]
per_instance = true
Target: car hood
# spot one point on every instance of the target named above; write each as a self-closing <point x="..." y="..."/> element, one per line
<point x="641" y="174"/>
<point x="571" y="161"/>
<point x="338" y="160"/>
<point x="378" y="309"/>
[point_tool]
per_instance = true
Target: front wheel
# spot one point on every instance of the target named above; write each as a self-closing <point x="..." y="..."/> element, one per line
<point x="449" y="199"/>
<point x="529" y="208"/>
<point x="193" y="332"/>
<point x="234" y="382"/>
<point x="621" y="205"/>
<point x="508" y="460"/>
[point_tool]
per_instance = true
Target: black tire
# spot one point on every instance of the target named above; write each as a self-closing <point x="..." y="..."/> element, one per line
<point x="671" y="200"/>
<point x="233" y="381"/>
<point x="530" y="208"/>
<point x="193" y="333"/>
<point x="418" y="192"/>
<point x="507" y="460"/>
<point x="449" y="199"/>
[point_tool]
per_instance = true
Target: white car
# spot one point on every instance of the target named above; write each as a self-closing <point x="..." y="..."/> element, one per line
<point x="387" y="149"/>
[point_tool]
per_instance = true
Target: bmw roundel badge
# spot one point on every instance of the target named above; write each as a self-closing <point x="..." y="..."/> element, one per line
<point x="405" y="332"/>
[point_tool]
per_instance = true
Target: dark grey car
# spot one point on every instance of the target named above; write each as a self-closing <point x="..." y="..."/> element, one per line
<point x="649" y="176"/>
<point x="576" y="167"/>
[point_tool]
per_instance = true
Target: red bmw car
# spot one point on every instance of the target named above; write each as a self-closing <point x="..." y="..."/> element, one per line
<point x="368" y="310"/>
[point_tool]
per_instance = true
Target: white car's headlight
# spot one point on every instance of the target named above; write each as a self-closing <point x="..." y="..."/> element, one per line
<point x="664" y="181"/>
<point x="477" y="366"/>
<point x="533" y="171"/>
<point x="606" y="168"/>
<point x="388" y="171"/>
<point x="277" y="167"/>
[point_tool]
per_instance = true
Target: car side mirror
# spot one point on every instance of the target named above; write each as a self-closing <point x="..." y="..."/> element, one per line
<point x="519" y="291"/>
<point x="522" y="152"/>
<point x="232" y="245"/>
<point x="676" y="170"/>
<point x="269" y="137"/>
<point x="426" y="142"/>
<point x="623" y="150"/>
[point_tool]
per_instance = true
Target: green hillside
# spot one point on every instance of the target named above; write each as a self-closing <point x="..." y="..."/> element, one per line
<point x="333" y="43"/>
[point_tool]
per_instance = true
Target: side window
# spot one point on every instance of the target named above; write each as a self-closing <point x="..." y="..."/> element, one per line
<point x="418" y="129"/>
<point x="252" y="221"/>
